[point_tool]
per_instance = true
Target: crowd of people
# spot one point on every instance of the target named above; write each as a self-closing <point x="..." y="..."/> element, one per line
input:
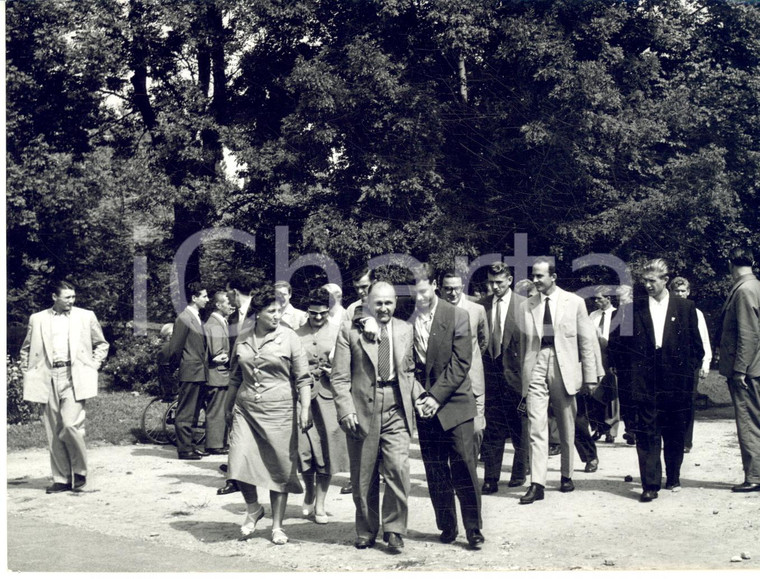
<point x="288" y="392"/>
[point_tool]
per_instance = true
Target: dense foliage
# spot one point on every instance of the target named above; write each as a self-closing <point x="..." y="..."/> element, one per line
<point x="371" y="127"/>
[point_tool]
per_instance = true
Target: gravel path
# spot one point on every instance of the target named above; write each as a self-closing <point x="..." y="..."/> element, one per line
<point x="165" y="512"/>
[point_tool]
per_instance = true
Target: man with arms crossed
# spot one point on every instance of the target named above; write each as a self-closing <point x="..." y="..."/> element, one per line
<point x="561" y="357"/>
<point x="60" y="357"/>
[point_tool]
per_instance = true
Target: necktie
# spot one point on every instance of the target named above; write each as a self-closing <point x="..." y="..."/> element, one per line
<point x="600" y="330"/>
<point x="497" y="332"/>
<point x="548" y="339"/>
<point x="384" y="355"/>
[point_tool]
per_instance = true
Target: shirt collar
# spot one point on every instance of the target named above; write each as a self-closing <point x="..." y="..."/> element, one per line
<point x="67" y="314"/>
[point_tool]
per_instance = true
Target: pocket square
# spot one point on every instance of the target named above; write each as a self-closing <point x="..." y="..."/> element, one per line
<point x="672" y="319"/>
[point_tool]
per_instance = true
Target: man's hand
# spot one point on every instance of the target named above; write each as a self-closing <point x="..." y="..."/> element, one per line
<point x="426" y="406"/>
<point x="370" y="329"/>
<point x="587" y="388"/>
<point x="739" y="380"/>
<point x="220" y="359"/>
<point x="479" y="424"/>
<point x="350" y="424"/>
<point x="304" y="417"/>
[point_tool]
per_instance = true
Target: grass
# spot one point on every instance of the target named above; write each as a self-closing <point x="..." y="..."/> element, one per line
<point x="112" y="418"/>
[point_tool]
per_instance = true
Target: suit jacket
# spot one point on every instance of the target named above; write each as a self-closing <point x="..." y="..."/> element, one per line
<point x="447" y="363"/>
<point x="740" y="331"/>
<point x="575" y="341"/>
<point x="218" y="342"/>
<point x="354" y="373"/>
<point x="188" y="348"/>
<point x="87" y="347"/>
<point x="232" y="325"/>
<point x="479" y="334"/>
<point x="681" y="351"/>
<point x="510" y="340"/>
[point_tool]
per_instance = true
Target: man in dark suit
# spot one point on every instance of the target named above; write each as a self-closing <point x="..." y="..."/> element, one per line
<point x="239" y="288"/>
<point x="739" y="340"/>
<point x="503" y="384"/>
<point x="188" y="349"/>
<point x="375" y="389"/>
<point x="443" y="353"/>
<point x="667" y="350"/>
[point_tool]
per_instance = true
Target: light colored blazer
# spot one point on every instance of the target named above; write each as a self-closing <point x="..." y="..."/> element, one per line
<point x="354" y="373"/>
<point x="575" y="341"/>
<point x="218" y="342"/>
<point x="479" y="332"/>
<point x="87" y="346"/>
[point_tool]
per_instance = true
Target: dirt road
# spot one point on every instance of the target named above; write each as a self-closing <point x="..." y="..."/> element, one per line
<point x="143" y="505"/>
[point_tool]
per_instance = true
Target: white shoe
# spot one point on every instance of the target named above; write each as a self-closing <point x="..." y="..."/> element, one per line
<point x="249" y="526"/>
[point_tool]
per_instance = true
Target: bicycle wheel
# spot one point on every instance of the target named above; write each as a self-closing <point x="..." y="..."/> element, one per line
<point x="199" y="428"/>
<point x="152" y="421"/>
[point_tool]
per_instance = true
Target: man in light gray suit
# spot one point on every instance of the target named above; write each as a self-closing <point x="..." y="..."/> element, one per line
<point x="60" y="357"/>
<point x="561" y="356"/>
<point x="740" y="361"/>
<point x="374" y="395"/>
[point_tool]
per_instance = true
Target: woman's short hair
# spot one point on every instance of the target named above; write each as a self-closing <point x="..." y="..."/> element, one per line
<point x="319" y="297"/>
<point x="262" y="297"/>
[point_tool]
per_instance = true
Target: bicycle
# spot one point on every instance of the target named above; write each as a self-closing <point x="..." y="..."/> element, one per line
<point x="158" y="417"/>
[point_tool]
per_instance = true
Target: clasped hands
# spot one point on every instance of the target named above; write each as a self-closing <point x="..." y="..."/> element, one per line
<point x="426" y="406"/>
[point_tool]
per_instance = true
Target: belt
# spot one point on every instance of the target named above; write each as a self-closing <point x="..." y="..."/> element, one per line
<point x="387" y="383"/>
<point x="61" y="364"/>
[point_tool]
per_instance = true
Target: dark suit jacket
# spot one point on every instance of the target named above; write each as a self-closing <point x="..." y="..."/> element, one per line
<point x="682" y="352"/>
<point x="232" y="324"/>
<point x="447" y="364"/>
<point x="510" y="340"/>
<point x="188" y="348"/>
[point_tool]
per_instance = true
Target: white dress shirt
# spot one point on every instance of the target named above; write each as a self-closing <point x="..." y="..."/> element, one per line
<point x="659" y="312"/>
<point x="60" y="330"/>
<point x="422" y="324"/>
<point x="603" y="331"/>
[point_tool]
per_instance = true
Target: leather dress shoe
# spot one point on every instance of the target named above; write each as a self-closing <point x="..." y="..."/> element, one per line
<point x="490" y="488"/>
<point x="609" y="439"/>
<point x="223" y="450"/>
<point x="516" y="482"/>
<point x="347" y="490"/>
<point x="449" y="535"/>
<point x="475" y="538"/>
<point x="80" y="481"/>
<point x="669" y="486"/>
<point x="555" y="449"/>
<point x="535" y="493"/>
<point x="364" y="542"/>
<point x="566" y="485"/>
<point x="200" y="452"/>
<point x="58" y="488"/>
<point x="648" y="496"/>
<point x="394" y="540"/>
<point x="630" y="438"/>
<point x="596" y="436"/>
<point x="229" y="487"/>
<point x="592" y="465"/>
<point x="746" y="487"/>
<point x="223" y="467"/>
<point x="192" y="455"/>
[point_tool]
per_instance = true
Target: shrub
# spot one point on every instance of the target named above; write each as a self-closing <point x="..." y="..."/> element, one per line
<point x="132" y="365"/>
<point x="19" y="411"/>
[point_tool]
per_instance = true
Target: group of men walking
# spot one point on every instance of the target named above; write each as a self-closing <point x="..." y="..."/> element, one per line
<point x="466" y="375"/>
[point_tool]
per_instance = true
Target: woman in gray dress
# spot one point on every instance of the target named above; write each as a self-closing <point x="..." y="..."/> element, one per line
<point x="322" y="448"/>
<point x="269" y="374"/>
